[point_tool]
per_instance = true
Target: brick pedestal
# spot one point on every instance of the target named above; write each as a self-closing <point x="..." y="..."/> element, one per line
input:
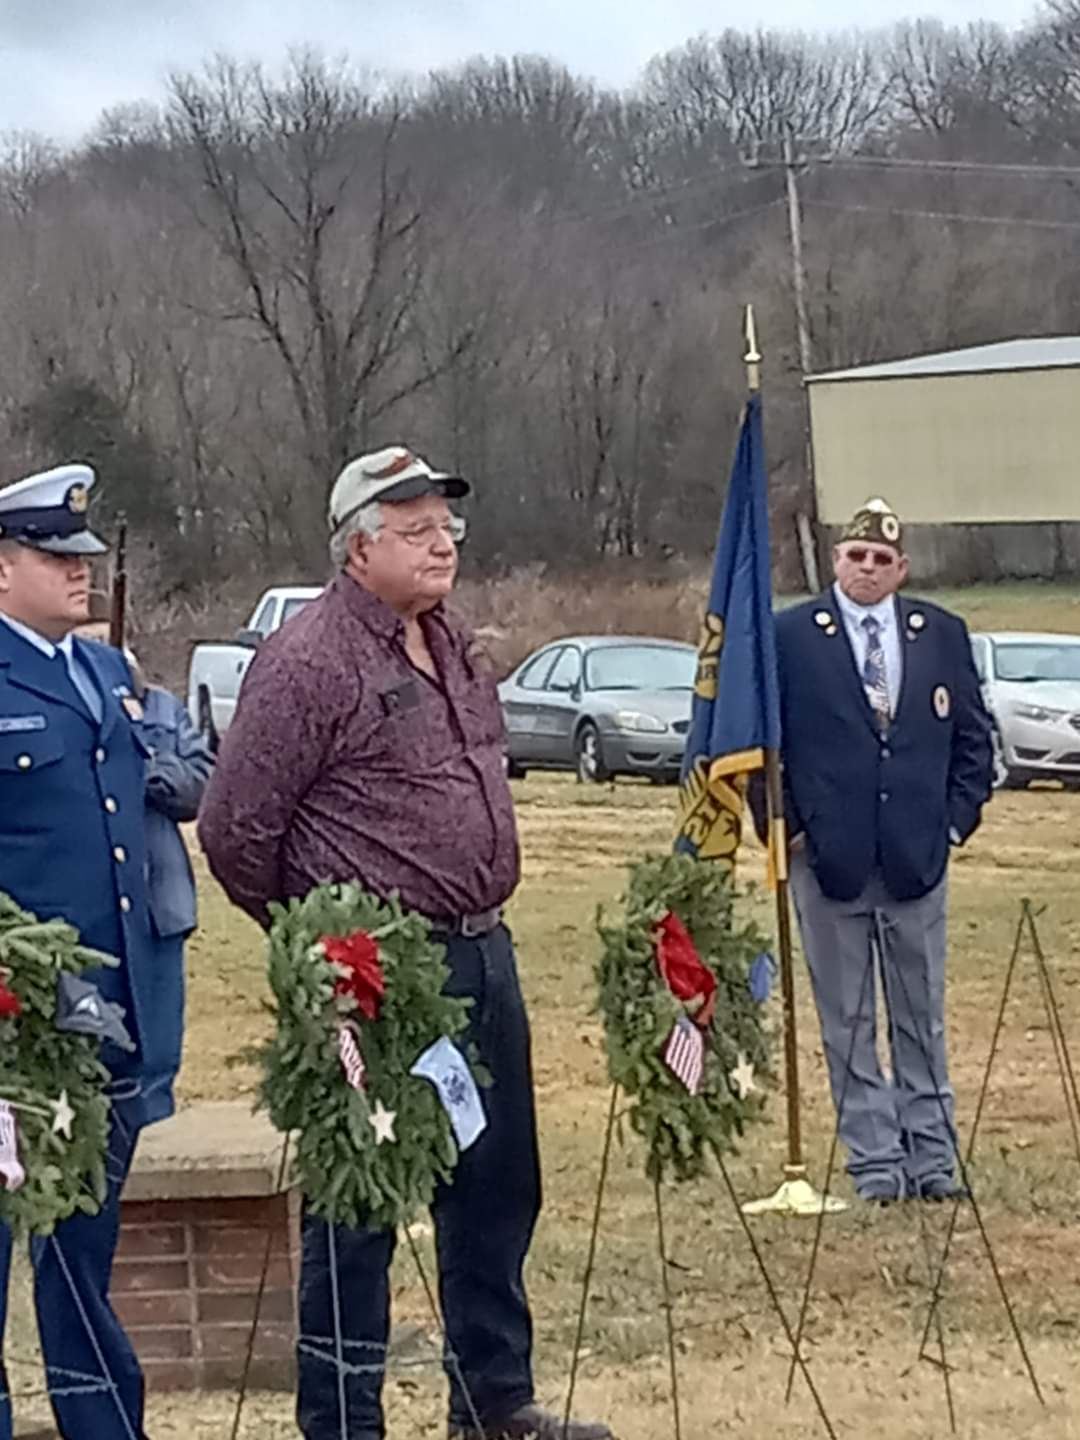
<point x="201" y="1217"/>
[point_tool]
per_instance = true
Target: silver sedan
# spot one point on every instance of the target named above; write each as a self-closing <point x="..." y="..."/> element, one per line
<point x="1031" y="684"/>
<point x="601" y="705"/>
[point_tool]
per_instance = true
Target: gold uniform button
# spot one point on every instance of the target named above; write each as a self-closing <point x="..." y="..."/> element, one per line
<point x="110" y="805"/>
<point x="119" y="854"/>
<point x="125" y="904"/>
<point x="24" y="762"/>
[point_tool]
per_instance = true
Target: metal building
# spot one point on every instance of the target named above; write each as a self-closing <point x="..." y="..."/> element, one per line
<point x="988" y="435"/>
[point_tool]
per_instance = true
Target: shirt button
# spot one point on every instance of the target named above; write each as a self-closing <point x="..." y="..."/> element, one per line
<point x="110" y="805"/>
<point x="24" y="762"/>
<point x="125" y="904"/>
<point x="119" y="854"/>
<point x="99" y="756"/>
<point x="886" y="753"/>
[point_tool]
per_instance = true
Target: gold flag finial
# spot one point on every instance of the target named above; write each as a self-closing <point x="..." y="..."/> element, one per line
<point x="752" y="358"/>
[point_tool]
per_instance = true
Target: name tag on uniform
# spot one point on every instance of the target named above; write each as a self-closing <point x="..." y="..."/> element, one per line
<point x="20" y="724"/>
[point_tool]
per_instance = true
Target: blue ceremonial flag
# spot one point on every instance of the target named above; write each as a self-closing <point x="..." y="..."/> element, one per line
<point x="736" y="714"/>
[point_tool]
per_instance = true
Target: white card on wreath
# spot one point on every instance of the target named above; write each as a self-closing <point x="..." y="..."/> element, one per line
<point x="447" y="1069"/>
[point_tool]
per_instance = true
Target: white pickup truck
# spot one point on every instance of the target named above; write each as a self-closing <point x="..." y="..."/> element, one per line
<point x="218" y="666"/>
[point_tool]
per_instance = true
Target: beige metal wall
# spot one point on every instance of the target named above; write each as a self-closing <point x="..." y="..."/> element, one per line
<point x="996" y="446"/>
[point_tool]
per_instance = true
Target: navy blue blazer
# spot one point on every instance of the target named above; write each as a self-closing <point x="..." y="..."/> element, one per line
<point x="864" y="799"/>
<point x="72" y="837"/>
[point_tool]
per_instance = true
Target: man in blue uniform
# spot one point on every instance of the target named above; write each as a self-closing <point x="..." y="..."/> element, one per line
<point x="887" y="763"/>
<point x="72" y="844"/>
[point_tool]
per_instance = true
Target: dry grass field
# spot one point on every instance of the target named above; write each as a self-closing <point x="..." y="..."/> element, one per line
<point x="869" y="1301"/>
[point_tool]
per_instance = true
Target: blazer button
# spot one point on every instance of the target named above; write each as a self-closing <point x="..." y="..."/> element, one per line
<point x="99" y="756"/>
<point x="119" y="854"/>
<point x="110" y="805"/>
<point x="883" y="795"/>
<point x="886" y="753"/>
<point x="24" y="762"/>
<point x="125" y="904"/>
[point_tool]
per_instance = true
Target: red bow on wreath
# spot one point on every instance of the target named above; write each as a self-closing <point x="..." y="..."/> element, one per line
<point x="684" y="972"/>
<point x="358" y="956"/>
<point x="10" y="1004"/>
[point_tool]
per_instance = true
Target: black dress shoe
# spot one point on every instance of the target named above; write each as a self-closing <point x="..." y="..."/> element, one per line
<point x="533" y="1422"/>
<point x="881" y="1190"/>
<point x="937" y="1188"/>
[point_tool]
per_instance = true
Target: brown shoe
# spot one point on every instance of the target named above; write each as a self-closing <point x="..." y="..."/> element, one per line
<point x="533" y="1422"/>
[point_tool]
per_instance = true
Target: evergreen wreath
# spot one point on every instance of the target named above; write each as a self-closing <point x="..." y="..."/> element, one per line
<point x="358" y="989"/>
<point x="52" y="1080"/>
<point x="675" y="898"/>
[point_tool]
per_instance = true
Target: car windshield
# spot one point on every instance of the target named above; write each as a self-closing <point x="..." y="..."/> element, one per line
<point x="293" y="607"/>
<point x="640" y="667"/>
<point x="1031" y="661"/>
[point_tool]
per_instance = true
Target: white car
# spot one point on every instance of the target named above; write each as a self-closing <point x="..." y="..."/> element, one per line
<point x="1031" y="684"/>
<point x="218" y="667"/>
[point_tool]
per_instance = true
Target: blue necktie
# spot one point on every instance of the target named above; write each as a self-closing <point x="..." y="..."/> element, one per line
<point x="81" y="683"/>
<point x="875" y="679"/>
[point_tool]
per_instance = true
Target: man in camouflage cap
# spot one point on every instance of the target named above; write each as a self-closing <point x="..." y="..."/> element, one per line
<point x="887" y="763"/>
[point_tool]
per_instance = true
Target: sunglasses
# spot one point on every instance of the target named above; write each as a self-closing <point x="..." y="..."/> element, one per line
<point x="858" y="553"/>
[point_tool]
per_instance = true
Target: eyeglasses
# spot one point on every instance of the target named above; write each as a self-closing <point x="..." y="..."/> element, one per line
<point x="858" y="553"/>
<point x="453" y="530"/>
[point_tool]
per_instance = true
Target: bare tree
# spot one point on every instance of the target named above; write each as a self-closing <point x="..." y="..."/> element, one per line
<point x="323" y="235"/>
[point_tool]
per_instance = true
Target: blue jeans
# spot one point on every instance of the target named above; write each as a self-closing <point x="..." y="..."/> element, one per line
<point x="483" y="1225"/>
<point x="94" y="1380"/>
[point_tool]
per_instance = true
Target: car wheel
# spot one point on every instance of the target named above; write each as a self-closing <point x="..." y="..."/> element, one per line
<point x="1004" y="778"/>
<point x="589" y="761"/>
<point x="207" y="728"/>
<point x="515" y="770"/>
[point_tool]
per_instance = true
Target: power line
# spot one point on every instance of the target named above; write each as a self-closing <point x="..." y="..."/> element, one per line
<point x="896" y="210"/>
<point x="645" y="200"/>
<point x="987" y="167"/>
<point x="681" y="231"/>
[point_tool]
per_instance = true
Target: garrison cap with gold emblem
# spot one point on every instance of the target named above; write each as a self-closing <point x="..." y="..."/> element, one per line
<point x="877" y="523"/>
<point x="49" y="511"/>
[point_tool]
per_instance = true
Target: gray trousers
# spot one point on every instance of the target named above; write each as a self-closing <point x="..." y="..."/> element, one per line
<point x="899" y="1129"/>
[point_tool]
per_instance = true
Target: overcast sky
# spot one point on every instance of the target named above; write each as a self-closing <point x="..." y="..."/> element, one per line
<point x="63" y="61"/>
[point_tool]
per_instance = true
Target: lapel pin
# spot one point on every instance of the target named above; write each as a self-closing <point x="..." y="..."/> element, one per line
<point x="824" y="621"/>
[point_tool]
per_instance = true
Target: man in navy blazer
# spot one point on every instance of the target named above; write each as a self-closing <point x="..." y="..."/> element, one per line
<point x="887" y="764"/>
<point x="72" y="845"/>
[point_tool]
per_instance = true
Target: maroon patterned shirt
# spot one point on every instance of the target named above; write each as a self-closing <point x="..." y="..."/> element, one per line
<point x="345" y="762"/>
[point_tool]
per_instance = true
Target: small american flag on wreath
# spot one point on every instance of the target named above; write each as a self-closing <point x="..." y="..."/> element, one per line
<point x="684" y="1053"/>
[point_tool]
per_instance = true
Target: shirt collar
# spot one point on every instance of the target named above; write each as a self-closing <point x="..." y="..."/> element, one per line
<point x="884" y="612"/>
<point x="372" y="612"/>
<point x="33" y="637"/>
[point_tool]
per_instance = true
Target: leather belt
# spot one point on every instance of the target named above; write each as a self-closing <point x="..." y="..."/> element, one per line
<point x="470" y="927"/>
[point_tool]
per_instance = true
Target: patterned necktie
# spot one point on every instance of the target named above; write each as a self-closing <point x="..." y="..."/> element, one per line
<point x="874" y="677"/>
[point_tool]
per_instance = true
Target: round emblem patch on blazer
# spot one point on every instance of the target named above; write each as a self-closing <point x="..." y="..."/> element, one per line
<point x="942" y="702"/>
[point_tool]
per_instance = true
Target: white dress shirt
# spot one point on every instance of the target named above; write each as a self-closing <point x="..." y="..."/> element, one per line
<point x="77" y="672"/>
<point x="884" y="612"/>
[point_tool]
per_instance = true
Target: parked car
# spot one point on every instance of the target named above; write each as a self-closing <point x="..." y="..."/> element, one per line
<point x="218" y="667"/>
<point x="601" y="705"/>
<point x="1031" y="684"/>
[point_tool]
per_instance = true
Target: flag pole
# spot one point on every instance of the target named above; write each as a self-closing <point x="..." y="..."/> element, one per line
<point x="796" y="1196"/>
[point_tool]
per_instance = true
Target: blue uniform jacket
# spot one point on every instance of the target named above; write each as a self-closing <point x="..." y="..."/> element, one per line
<point x="72" y="840"/>
<point x="864" y="799"/>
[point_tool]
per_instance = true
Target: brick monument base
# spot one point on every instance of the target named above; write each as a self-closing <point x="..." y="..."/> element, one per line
<point x="200" y="1208"/>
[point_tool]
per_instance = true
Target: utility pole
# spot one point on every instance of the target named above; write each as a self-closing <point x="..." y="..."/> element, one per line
<point x="807" y="524"/>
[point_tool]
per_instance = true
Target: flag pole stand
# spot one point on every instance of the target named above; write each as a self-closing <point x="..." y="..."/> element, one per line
<point x="796" y="1195"/>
